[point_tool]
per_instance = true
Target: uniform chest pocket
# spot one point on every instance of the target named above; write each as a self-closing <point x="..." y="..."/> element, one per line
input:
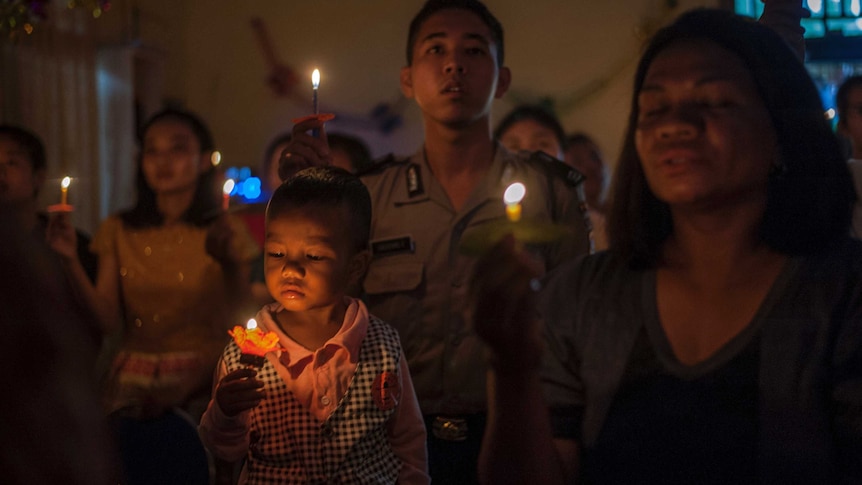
<point x="393" y="277"/>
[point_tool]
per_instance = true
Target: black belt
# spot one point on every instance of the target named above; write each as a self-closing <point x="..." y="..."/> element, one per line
<point x="454" y="427"/>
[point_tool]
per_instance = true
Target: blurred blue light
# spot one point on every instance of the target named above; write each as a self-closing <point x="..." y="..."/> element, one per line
<point x="251" y="188"/>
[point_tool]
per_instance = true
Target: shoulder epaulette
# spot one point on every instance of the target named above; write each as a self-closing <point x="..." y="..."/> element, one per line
<point x="382" y="164"/>
<point x="556" y="167"/>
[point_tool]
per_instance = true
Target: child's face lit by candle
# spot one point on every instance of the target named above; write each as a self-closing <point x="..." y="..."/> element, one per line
<point x="309" y="257"/>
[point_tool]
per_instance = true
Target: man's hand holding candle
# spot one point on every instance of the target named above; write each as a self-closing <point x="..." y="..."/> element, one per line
<point x="305" y="150"/>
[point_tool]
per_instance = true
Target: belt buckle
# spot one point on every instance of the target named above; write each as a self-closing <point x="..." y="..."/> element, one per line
<point x="449" y="429"/>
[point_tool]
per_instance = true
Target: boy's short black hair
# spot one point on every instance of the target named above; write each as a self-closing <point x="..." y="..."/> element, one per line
<point x="842" y="97"/>
<point x="536" y="113"/>
<point x="475" y="6"/>
<point x="29" y="142"/>
<point x="329" y="187"/>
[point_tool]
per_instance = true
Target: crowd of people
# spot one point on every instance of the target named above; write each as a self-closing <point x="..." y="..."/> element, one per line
<point x="698" y="320"/>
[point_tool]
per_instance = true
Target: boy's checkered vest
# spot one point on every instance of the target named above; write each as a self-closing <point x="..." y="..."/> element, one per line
<point x="288" y="445"/>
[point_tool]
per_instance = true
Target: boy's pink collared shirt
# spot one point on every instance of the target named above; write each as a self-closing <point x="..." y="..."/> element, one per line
<point x="319" y="379"/>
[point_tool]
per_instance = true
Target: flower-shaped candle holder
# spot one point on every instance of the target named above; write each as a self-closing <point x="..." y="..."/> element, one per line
<point x="254" y="343"/>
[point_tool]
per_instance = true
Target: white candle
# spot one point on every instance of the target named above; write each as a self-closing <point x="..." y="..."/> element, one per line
<point x="226" y="189"/>
<point x="315" y="83"/>
<point x="64" y="190"/>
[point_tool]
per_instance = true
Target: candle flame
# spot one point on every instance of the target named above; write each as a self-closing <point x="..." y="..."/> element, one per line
<point x="254" y="341"/>
<point x="66" y="182"/>
<point x="315" y="79"/>
<point x="215" y="159"/>
<point x="228" y="186"/>
<point x="514" y="193"/>
<point x="252" y="323"/>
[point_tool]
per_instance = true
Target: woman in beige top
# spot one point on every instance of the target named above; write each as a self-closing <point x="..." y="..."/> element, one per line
<point x="174" y="269"/>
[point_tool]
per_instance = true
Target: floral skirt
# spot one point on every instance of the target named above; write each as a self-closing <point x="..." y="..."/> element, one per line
<point x="148" y="383"/>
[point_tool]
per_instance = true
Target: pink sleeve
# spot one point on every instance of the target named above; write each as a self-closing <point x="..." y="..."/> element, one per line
<point x="406" y="431"/>
<point x="226" y="437"/>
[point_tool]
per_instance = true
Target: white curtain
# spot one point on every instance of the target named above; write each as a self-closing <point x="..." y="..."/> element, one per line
<point x="51" y="84"/>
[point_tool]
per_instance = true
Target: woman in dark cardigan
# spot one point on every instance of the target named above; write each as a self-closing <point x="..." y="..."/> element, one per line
<point x="719" y="340"/>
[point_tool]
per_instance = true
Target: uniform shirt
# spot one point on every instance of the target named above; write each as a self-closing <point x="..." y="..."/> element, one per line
<point x="319" y="380"/>
<point x="418" y="278"/>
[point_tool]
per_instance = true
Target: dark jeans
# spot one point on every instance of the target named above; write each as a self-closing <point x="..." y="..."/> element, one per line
<point x="455" y="462"/>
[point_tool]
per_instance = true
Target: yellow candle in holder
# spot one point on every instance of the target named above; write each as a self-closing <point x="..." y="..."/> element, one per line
<point x="227" y="188"/>
<point x="64" y="190"/>
<point x="512" y="198"/>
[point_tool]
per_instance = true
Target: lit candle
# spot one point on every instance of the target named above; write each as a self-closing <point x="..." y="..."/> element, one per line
<point x="512" y="198"/>
<point x="315" y="83"/>
<point x="226" y="189"/>
<point x="64" y="190"/>
<point x="254" y="343"/>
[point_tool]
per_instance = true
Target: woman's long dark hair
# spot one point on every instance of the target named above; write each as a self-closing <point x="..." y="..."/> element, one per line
<point x="810" y="195"/>
<point x="205" y="204"/>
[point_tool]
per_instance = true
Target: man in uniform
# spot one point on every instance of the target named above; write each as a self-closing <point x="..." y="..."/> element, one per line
<point x="424" y="208"/>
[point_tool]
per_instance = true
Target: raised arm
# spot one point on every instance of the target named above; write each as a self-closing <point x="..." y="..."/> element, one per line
<point x="518" y="446"/>
<point x="101" y="298"/>
<point x="784" y="17"/>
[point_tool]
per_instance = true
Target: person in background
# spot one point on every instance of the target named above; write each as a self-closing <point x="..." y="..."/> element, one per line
<point x="426" y="205"/>
<point x="718" y="339"/>
<point x="269" y="168"/>
<point x="173" y="273"/>
<point x="254" y="214"/>
<point x="54" y="430"/>
<point x="584" y="155"/>
<point x="23" y="168"/>
<point x="349" y="152"/>
<point x="849" y="102"/>
<point x="337" y="369"/>
<point x="532" y="128"/>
